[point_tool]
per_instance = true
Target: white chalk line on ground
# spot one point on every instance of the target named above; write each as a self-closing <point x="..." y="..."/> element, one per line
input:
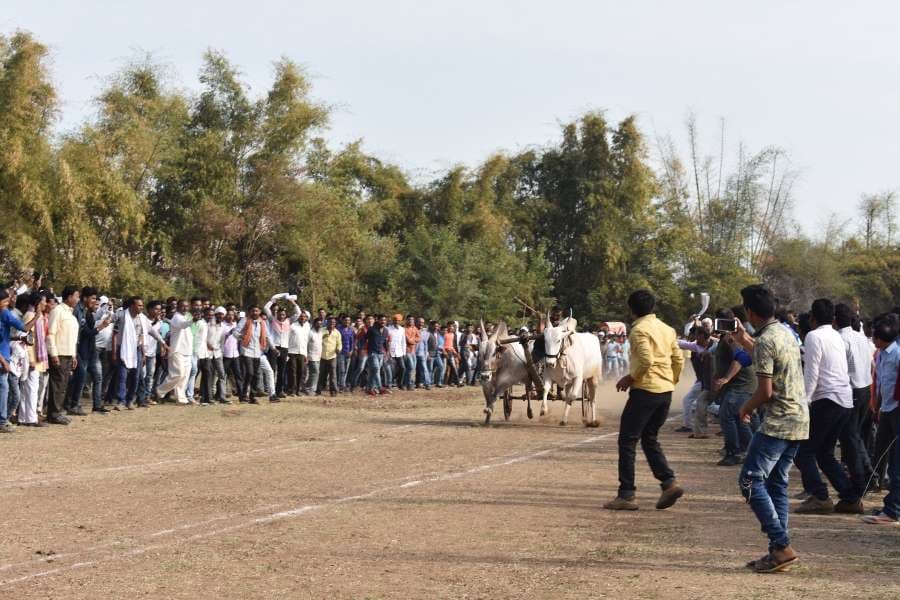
<point x="149" y="466"/>
<point x="303" y="509"/>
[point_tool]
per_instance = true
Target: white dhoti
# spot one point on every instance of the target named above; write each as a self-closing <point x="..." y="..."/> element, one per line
<point x="179" y="371"/>
<point x="28" y="392"/>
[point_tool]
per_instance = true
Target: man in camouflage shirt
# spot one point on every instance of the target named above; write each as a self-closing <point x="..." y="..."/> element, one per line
<point x="781" y="394"/>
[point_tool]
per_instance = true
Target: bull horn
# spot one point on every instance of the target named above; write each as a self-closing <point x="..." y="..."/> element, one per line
<point x="483" y="330"/>
<point x="570" y="312"/>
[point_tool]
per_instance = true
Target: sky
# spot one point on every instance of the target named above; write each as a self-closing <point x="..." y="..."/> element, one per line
<point x="429" y="85"/>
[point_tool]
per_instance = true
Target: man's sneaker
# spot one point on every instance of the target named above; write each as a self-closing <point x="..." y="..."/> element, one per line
<point x="7" y="428"/>
<point x="698" y="436"/>
<point x="77" y="411"/>
<point x="101" y="410"/>
<point x="683" y="429"/>
<point x="59" y="420"/>
<point x="880" y="518"/>
<point x="847" y="507"/>
<point x="669" y="496"/>
<point x="730" y="460"/>
<point x="815" y="506"/>
<point x="371" y="393"/>
<point x="385" y="392"/>
<point x="619" y="503"/>
<point x="119" y="406"/>
<point x="274" y="399"/>
<point x="801" y="495"/>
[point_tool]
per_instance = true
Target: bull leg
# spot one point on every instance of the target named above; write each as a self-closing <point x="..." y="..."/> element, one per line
<point x="545" y="390"/>
<point x="590" y="392"/>
<point x="488" y="411"/>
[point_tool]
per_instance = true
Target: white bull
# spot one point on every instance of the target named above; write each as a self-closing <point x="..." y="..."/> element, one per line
<point x="502" y="367"/>
<point x="574" y="362"/>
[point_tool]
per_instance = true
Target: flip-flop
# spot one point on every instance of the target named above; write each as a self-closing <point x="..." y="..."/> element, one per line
<point x="770" y="565"/>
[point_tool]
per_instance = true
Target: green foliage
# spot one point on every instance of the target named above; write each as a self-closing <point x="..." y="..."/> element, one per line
<point x="239" y="196"/>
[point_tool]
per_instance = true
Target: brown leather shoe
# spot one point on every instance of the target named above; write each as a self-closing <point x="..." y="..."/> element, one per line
<point x="621" y="504"/>
<point x="669" y="496"/>
<point x="814" y="506"/>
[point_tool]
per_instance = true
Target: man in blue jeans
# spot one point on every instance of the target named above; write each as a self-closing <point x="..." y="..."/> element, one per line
<point x="885" y="337"/>
<point x="376" y="345"/>
<point x="734" y="382"/>
<point x="780" y="389"/>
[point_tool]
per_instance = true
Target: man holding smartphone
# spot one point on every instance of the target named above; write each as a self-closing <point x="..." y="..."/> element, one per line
<point x="734" y="383"/>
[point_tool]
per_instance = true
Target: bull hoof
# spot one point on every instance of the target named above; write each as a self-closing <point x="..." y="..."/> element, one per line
<point x="487" y="416"/>
<point x="592" y="424"/>
<point x="530" y="413"/>
<point x="543" y="412"/>
<point x="562" y="423"/>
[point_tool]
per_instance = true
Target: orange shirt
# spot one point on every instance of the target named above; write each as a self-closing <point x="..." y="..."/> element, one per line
<point x="448" y="342"/>
<point x="413" y="335"/>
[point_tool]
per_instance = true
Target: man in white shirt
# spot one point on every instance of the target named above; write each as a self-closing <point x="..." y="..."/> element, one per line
<point x="103" y="343"/>
<point x="280" y="329"/>
<point x="130" y="330"/>
<point x="218" y="382"/>
<point x="181" y="349"/>
<point x="151" y="350"/>
<point x="231" y="355"/>
<point x="830" y="397"/>
<point x="298" y="348"/>
<point x="397" y="346"/>
<point x="859" y="363"/>
<point x="314" y="356"/>
<point x="204" y="360"/>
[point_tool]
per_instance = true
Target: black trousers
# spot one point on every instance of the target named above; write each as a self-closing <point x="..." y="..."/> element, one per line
<point x="644" y="415"/>
<point x="204" y="368"/>
<point x="827" y="420"/>
<point x="59" y="383"/>
<point x="233" y="368"/>
<point x="296" y="370"/>
<point x="854" y="452"/>
<point x="328" y="375"/>
<point x="281" y="371"/>
<point x="249" y="368"/>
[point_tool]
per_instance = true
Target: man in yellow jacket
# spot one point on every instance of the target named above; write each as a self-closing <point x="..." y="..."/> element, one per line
<point x="331" y="346"/>
<point x="655" y="365"/>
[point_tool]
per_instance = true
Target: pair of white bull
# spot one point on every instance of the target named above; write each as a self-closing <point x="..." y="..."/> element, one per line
<point x="574" y="362"/>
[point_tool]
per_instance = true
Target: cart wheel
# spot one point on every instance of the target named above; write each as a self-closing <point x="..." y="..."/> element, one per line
<point x="507" y="405"/>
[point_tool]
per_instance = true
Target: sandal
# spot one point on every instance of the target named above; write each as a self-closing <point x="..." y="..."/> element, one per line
<point x="770" y="565"/>
<point x="752" y="564"/>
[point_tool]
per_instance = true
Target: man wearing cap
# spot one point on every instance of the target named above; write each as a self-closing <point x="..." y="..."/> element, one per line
<point x="217" y="379"/>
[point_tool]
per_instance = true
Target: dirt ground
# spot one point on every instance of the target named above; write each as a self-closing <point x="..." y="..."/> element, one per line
<point x="404" y="497"/>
